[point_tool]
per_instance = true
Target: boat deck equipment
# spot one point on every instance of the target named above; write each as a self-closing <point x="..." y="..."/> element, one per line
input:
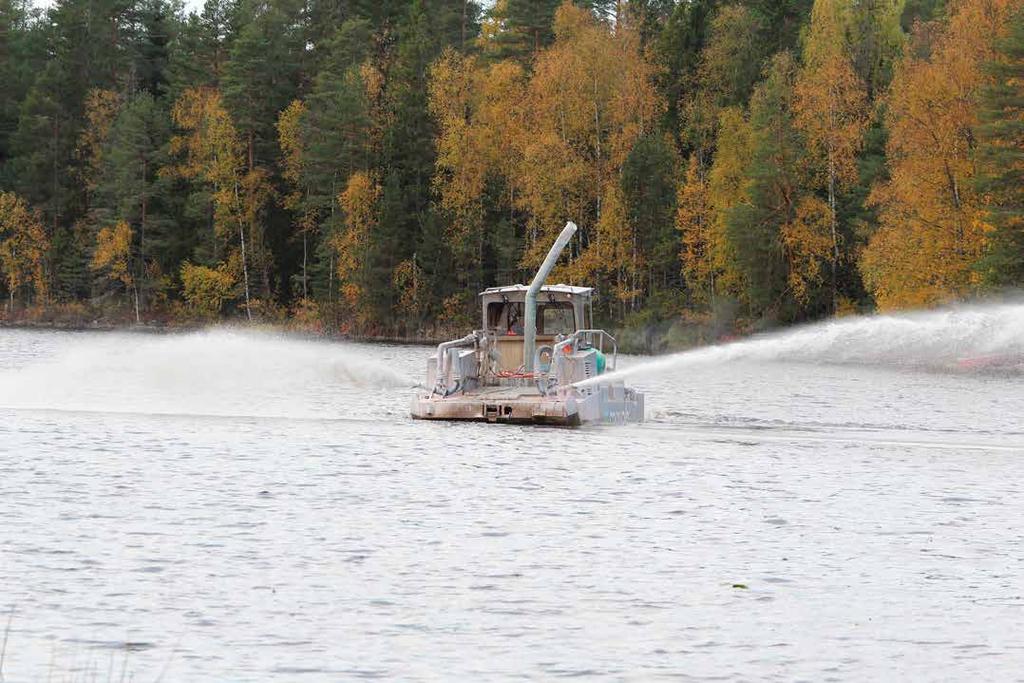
<point x="536" y="343"/>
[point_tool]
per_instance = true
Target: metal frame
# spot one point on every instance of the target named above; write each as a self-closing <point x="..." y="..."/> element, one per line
<point x="601" y="335"/>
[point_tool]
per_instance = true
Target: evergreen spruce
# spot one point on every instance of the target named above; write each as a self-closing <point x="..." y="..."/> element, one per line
<point x="1001" y="157"/>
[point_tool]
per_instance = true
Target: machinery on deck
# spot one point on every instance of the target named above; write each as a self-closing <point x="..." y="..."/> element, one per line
<point x="535" y="345"/>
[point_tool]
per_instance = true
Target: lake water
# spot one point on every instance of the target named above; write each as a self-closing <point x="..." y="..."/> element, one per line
<point x="237" y="506"/>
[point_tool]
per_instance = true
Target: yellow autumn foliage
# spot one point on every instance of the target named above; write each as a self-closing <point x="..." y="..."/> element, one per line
<point x="211" y="151"/>
<point x="831" y="99"/>
<point x="101" y="109"/>
<point x="289" y="132"/>
<point x="359" y="201"/>
<point x="932" y="230"/>
<point x="613" y="249"/>
<point x="23" y="247"/>
<point x="694" y="218"/>
<point x="807" y="242"/>
<point x="113" y="252"/>
<point x="556" y="139"/>
<point x="590" y="99"/>
<point x="479" y="110"/>
<point x="728" y="188"/>
<point x="206" y="289"/>
<point x="408" y="280"/>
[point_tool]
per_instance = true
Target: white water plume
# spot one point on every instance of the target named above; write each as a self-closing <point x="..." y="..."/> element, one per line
<point x="964" y="337"/>
<point x="216" y="372"/>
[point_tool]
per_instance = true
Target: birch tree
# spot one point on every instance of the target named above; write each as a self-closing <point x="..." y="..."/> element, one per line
<point x="23" y="247"/>
<point x="214" y="154"/>
<point x="112" y="257"/>
<point x="831" y="109"/>
<point x="932" y="233"/>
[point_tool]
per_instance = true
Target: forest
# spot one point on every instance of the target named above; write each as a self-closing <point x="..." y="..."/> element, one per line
<point x="366" y="167"/>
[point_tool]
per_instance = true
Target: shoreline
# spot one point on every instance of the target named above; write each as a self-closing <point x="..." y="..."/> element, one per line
<point x="647" y="338"/>
<point x="627" y="341"/>
<point x="159" y="328"/>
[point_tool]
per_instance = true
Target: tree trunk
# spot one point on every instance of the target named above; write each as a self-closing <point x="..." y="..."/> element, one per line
<point x="305" y="293"/>
<point x="835" y="232"/>
<point x="833" y="217"/>
<point x="954" y="192"/>
<point x="465" y="6"/>
<point x="11" y="280"/>
<point x="245" y="270"/>
<point x="245" y="267"/>
<point x="142" y="242"/>
<point x="135" y="290"/>
<point x="56" y="211"/>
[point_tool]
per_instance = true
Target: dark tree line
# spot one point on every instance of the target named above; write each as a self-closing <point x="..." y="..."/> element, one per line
<point x="370" y="164"/>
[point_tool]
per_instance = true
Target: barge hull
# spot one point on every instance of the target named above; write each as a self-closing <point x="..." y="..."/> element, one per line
<point x="509" y="410"/>
<point x="605" y="404"/>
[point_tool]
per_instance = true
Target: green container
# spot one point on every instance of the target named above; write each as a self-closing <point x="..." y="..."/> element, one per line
<point x="601" y="362"/>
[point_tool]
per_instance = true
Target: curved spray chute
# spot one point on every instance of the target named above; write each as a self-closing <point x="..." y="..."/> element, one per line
<point x="530" y="324"/>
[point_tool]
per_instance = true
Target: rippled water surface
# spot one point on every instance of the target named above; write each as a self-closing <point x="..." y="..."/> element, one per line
<point x="227" y="506"/>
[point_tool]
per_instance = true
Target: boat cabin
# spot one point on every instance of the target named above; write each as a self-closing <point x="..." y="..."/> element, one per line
<point x="561" y="310"/>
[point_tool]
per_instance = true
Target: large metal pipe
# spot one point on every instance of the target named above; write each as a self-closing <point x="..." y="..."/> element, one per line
<point x="530" y="325"/>
<point x="442" y="356"/>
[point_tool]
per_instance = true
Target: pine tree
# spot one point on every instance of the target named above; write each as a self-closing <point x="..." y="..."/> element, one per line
<point x="782" y="21"/>
<point x="336" y="141"/>
<point x="131" y="190"/>
<point x="22" y="56"/>
<point x="734" y="59"/>
<point x="43" y="172"/>
<point x="677" y="52"/>
<point x="1001" y="158"/>
<point x="730" y="65"/>
<point x="335" y="130"/>
<point x="89" y="43"/>
<point x="875" y="41"/>
<point x="407" y="158"/>
<point x="915" y="11"/>
<point x="649" y="189"/>
<point x="262" y="74"/>
<point x="517" y="29"/>
<point x="199" y="48"/>
<point x="647" y="17"/>
<point x="157" y="27"/>
<point x="754" y="227"/>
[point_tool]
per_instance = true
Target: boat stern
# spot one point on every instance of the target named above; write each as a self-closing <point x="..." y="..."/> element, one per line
<point x="504" y="407"/>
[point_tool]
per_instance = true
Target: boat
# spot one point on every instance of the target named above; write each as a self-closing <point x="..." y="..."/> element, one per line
<point x="526" y="363"/>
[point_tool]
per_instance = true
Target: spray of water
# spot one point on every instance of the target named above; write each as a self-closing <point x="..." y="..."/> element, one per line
<point x="960" y="338"/>
<point x="217" y="372"/>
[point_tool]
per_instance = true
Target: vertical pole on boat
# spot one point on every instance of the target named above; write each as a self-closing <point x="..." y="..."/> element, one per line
<point x="530" y="325"/>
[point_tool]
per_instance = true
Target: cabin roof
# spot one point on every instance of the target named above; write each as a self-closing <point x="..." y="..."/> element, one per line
<point x="556" y="289"/>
